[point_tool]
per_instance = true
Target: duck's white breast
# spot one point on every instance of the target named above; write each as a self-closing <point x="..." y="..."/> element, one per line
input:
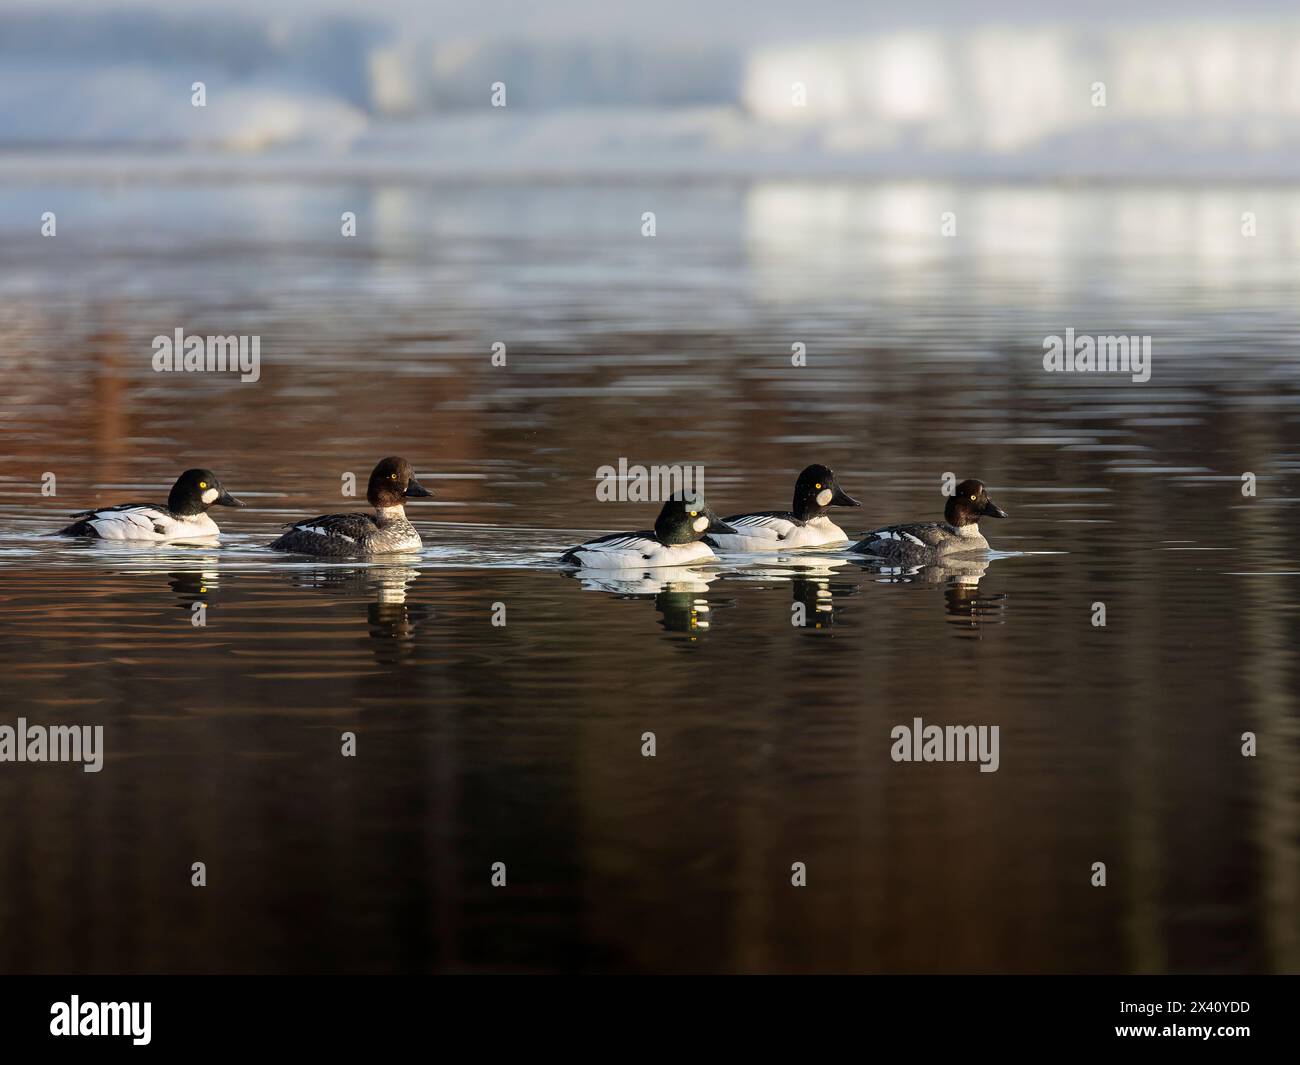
<point x="770" y="532"/>
<point x="150" y="523"/>
<point x="635" y="552"/>
<point x="754" y="532"/>
<point x="816" y="533"/>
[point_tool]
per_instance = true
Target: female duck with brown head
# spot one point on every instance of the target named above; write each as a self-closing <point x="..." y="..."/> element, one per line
<point x="919" y="543"/>
<point x="345" y="535"/>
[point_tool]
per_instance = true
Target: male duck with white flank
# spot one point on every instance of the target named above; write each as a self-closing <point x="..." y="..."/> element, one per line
<point x="806" y="525"/>
<point x="676" y="540"/>
<point x="183" y="517"/>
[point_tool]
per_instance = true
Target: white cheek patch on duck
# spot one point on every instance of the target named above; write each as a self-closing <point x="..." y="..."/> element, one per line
<point x="209" y="497"/>
<point x="700" y="524"/>
<point x="824" y="497"/>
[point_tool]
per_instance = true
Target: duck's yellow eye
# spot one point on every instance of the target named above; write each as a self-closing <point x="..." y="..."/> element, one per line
<point x="694" y="512"/>
<point x="817" y="486"/>
<point x="203" y="484"/>
<point x="393" y="477"/>
<point x="972" y="499"/>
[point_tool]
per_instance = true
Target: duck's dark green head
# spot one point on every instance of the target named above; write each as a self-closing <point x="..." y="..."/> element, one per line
<point x="684" y="520"/>
<point x="196" y="490"/>
<point x="817" y="491"/>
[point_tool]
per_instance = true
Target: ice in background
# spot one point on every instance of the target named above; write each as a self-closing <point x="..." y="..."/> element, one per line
<point x="677" y="87"/>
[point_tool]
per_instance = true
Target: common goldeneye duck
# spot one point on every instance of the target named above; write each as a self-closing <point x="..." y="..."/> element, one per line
<point x="806" y="525"/>
<point x="676" y="540"/>
<point x="184" y="517"/>
<point x="927" y="541"/>
<point x="347" y="535"/>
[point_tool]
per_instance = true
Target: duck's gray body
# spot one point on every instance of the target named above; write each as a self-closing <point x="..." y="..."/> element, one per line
<point x="392" y="482"/>
<point x="919" y="543"/>
<point x="349" y="535"/>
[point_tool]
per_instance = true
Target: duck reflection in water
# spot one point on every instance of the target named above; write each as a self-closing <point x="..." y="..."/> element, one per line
<point x="195" y="586"/>
<point x="813" y="593"/>
<point x="393" y="620"/>
<point x="677" y="592"/>
<point x="958" y="577"/>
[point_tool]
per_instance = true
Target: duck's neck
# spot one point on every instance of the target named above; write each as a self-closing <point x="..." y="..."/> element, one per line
<point x="393" y="513"/>
<point x="958" y="513"/>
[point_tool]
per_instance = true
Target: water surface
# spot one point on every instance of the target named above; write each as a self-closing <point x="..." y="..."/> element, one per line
<point x="481" y="743"/>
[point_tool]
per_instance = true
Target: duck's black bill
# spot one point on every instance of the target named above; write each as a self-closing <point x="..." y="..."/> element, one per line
<point x="842" y="498"/>
<point x="716" y="525"/>
<point x="227" y="500"/>
<point x="992" y="510"/>
<point x="416" y="489"/>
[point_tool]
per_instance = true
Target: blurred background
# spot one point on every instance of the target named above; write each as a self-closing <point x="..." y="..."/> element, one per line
<point x="1172" y="211"/>
<point x="1001" y="88"/>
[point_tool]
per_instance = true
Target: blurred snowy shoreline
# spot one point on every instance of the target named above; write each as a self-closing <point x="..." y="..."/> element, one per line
<point x="109" y="93"/>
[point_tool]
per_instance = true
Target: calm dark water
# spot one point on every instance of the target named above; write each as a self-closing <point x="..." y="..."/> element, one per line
<point x="522" y="743"/>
